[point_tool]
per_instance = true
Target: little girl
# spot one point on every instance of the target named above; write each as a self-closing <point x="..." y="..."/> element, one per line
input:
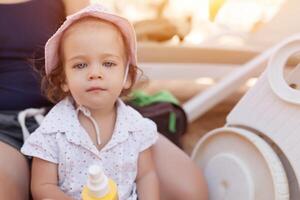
<point x="89" y="62"/>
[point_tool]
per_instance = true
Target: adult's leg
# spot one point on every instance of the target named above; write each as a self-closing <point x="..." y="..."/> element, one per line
<point x="179" y="176"/>
<point x="14" y="174"/>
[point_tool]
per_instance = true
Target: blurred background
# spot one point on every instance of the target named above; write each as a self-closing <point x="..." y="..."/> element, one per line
<point x="196" y="22"/>
<point x="187" y="47"/>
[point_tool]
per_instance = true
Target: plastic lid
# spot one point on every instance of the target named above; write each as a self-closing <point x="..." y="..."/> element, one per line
<point x="238" y="164"/>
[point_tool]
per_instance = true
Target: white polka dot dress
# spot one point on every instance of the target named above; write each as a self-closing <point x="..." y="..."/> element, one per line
<point x="62" y="140"/>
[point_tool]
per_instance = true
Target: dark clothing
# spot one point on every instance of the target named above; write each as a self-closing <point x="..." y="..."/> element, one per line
<point x="10" y="129"/>
<point x="24" y="29"/>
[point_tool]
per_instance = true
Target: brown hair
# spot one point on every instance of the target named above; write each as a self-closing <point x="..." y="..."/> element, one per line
<point x="51" y="83"/>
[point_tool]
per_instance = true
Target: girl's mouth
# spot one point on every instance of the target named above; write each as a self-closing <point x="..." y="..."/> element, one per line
<point x="95" y="89"/>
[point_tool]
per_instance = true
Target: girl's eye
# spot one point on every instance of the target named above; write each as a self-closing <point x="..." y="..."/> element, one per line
<point x="109" y="64"/>
<point x="80" y="66"/>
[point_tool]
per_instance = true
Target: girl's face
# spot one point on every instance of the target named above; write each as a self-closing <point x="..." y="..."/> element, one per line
<point x="94" y="59"/>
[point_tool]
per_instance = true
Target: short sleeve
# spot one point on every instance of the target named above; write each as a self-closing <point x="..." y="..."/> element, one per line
<point x="148" y="136"/>
<point x="41" y="145"/>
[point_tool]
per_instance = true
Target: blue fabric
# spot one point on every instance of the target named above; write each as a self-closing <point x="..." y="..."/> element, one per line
<point x="24" y="29"/>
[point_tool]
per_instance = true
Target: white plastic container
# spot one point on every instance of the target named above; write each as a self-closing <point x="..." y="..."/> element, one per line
<point x="265" y="128"/>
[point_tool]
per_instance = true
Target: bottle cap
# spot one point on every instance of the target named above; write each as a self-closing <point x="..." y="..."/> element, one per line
<point x="97" y="182"/>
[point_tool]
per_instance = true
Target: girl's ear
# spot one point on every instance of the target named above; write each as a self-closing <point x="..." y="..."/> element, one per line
<point x="128" y="83"/>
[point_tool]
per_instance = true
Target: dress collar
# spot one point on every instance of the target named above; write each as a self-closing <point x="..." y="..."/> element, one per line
<point x="62" y="118"/>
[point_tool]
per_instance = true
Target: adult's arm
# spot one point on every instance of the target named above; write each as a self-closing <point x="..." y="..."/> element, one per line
<point x="72" y="6"/>
<point x="179" y="177"/>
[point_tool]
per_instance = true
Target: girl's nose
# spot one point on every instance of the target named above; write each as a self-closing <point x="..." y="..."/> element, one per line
<point x="94" y="76"/>
<point x="95" y="73"/>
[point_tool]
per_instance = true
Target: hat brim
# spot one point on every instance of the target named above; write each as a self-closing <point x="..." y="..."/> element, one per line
<point x="125" y="27"/>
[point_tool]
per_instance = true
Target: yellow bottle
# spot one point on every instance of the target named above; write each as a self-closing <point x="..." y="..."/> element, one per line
<point x="98" y="186"/>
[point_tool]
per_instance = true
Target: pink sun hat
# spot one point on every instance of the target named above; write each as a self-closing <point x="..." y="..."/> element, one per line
<point x="98" y="11"/>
